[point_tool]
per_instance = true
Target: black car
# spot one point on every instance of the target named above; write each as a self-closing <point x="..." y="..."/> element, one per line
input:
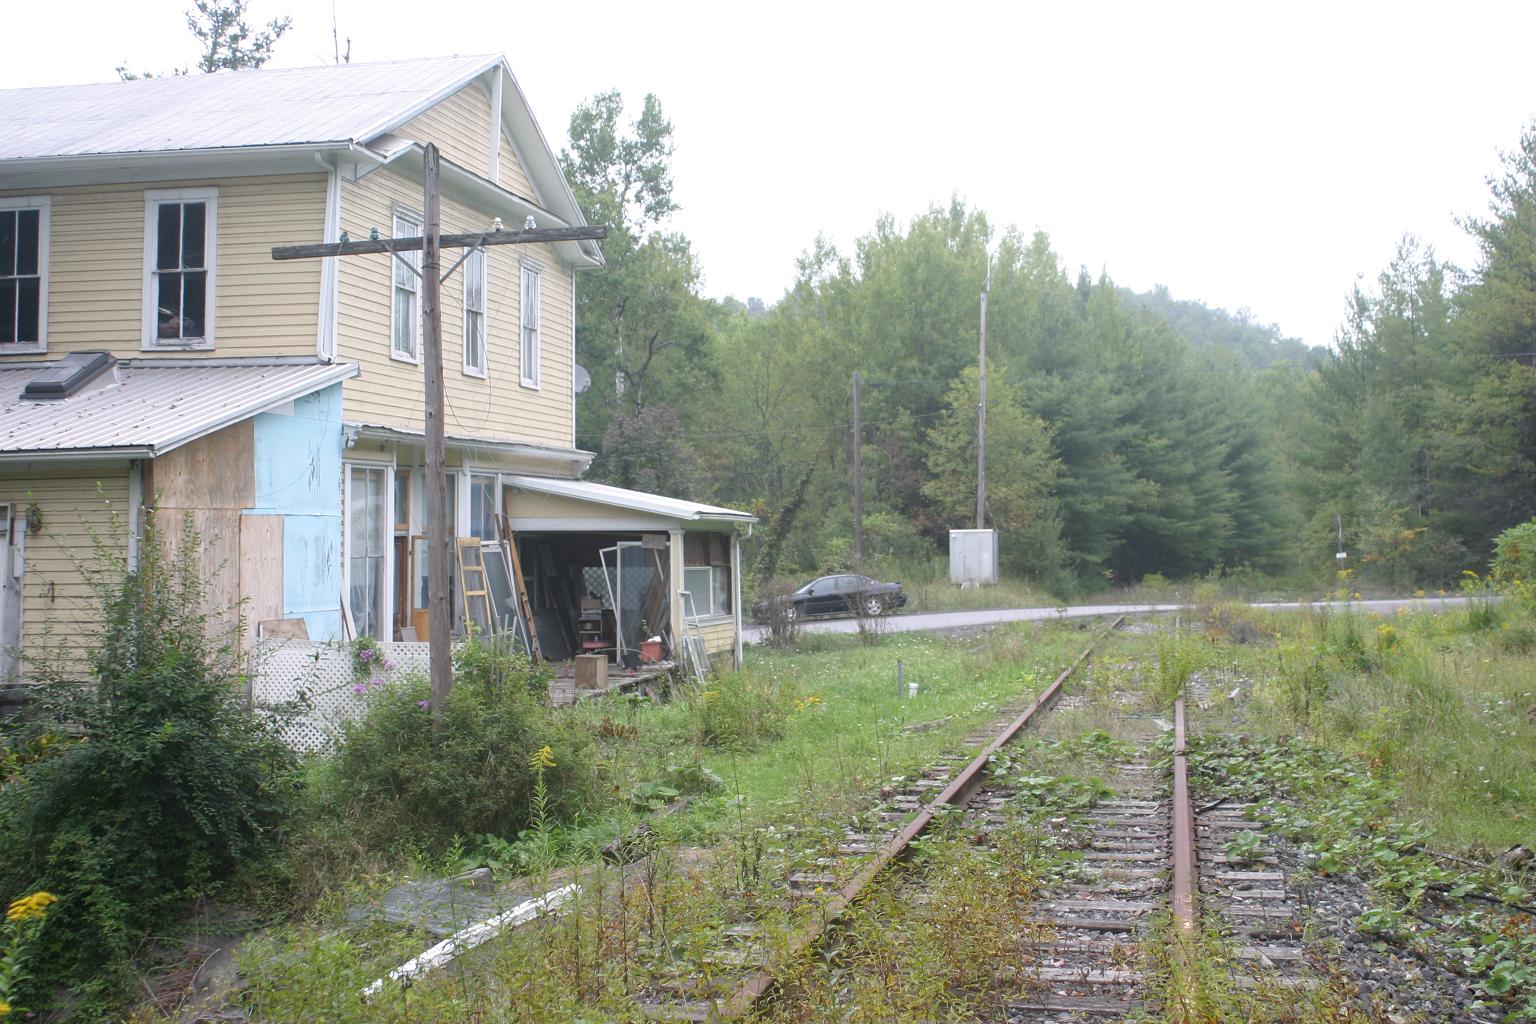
<point x="843" y="594"/>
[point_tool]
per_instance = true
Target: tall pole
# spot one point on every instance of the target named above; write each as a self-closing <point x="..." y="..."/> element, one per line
<point x="981" y="408"/>
<point x="858" y="477"/>
<point x="439" y="530"/>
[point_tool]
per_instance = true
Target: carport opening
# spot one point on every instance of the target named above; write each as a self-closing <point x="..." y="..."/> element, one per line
<point x="598" y="593"/>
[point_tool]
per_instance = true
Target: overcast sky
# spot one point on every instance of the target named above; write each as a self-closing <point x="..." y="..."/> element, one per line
<point x="1246" y="155"/>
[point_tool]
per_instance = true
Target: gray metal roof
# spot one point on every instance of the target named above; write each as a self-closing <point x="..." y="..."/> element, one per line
<point x="145" y="408"/>
<point x="348" y="102"/>
<point x="619" y="497"/>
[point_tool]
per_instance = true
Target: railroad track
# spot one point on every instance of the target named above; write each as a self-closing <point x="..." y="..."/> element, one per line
<point x="1156" y="866"/>
<point x="863" y="856"/>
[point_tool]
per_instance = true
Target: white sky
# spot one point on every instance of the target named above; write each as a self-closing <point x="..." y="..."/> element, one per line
<point x="1245" y="155"/>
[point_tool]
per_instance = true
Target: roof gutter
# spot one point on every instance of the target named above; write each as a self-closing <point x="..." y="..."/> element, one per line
<point x="560" y="460"/>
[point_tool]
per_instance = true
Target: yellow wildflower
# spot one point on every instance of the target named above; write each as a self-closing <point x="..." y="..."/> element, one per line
<point x="30" y="907"/>
<point x="542" y="758"/>
<point x="5" y="1008"/>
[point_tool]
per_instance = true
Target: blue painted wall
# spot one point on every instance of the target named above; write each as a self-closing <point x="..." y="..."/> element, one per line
<point x="298" y="476"/>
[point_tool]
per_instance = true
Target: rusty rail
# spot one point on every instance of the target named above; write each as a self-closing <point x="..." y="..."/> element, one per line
<point x="956" y="794"/>
<point x="1182" y="897"/>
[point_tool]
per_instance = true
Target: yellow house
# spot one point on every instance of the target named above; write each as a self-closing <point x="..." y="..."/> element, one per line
<point x="154" y="355"/>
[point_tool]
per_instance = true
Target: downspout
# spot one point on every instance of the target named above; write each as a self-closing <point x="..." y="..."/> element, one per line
<point x="325" y="328"/>
<point x="736" y="590"/>
<point x="135" y="510"/>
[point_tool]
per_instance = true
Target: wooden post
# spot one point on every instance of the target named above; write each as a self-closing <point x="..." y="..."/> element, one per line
<point x="981" y="409"/>
<point x="858" y="478"/>
<point x="439" y="531"/>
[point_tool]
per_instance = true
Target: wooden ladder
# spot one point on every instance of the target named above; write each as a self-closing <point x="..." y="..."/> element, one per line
<point x="520" y="593"/>
<point x="472" y="585"/>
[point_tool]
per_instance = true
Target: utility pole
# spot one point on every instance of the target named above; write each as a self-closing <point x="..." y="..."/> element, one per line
<point x="858" y="477"/>
<point x="430" y="245"/>
<point x="439" y="616"/>
<point x="981" y="408"/>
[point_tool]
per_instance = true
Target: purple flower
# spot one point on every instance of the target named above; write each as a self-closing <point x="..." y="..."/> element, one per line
<point x="365" y="655"/>
<point x="423" y="703"/>
<point x="358" y="688"/>
<point x="375" y="680"/>
<point x="389" y="665"/>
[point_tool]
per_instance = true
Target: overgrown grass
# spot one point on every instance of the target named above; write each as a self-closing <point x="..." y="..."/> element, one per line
<point x="817" y="730"/>
<point x="1443" y="705"/>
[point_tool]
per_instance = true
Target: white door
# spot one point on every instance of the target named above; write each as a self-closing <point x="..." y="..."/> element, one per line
<point x="11" y="562"/>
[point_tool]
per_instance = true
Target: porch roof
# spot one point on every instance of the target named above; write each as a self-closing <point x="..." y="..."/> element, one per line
<point x="143" y="408"/>
<point x="634" y="501"/>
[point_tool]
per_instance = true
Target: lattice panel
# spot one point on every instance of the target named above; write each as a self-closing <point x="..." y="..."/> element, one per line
<point x="309" y="684"/>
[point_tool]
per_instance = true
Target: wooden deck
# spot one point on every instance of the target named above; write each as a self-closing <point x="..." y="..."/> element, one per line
<point x="563" y="691"/>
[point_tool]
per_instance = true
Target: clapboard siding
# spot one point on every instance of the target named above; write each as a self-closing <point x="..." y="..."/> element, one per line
<point x="78" y="507"/>
<point x="262" y="307"/>
<point x="461" y="127"/>
<point x="513" y="177"/>
<point x="719" y="637"/>
<point x="389" y="392"/>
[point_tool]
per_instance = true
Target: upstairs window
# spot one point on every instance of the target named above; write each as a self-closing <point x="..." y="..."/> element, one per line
<point x="405" y="313"/>
<point x="530" y="353"/>
<point x="179" y="249"/>
<point x="24" y="274"/>
<point x="474" y="313"/>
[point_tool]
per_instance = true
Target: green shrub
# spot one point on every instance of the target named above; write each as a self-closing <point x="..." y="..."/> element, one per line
<point x="402" y="778"/>
<point x="169" y="785"/>
<point x="737" y="711"/>
<point x="1514" y="562"/>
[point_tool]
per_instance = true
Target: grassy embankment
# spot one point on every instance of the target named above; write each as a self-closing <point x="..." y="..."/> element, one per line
<point x="1440" y="705"/>
<point x="798" y="741"/>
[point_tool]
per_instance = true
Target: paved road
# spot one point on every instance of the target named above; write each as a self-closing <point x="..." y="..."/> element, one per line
<point x="934" y="621"/>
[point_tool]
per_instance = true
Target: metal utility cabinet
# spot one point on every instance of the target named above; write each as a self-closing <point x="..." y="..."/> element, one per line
<point x="972" y="557"/>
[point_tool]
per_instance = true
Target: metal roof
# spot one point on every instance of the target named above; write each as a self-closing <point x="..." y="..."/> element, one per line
<point x="619" y="497"/>
<point x="145" y="408"/>
<point x="348" y="102"/>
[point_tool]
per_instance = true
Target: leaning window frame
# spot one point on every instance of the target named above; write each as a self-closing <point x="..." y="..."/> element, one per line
<point x="153" y="200"/>
<point x="477" y="262"/>
<point x="44" y="206"/>
<point x="414" y="259"/>
<point x="524" y="362"/>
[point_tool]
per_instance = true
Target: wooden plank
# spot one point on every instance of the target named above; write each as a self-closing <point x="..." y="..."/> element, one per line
<point x="213" y="472"/>
<point x="383" y="245"/>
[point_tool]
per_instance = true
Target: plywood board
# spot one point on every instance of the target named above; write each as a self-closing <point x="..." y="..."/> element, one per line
<point x="213" y="472"/>
<point x="261" y="567"/>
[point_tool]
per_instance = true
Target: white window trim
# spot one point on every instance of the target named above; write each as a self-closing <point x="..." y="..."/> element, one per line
<point x="44" y="204"/>
<point x="419" y="220"/>
<point x="530" y="381"/>
<point x="387" y="585"/>
<point x="483" y="370"/>
<point x="151" y="342"/>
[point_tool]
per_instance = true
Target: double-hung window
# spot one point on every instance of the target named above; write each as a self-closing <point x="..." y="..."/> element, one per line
<point x="530" y="308"/>
<point x="180" y="236"/>
<point x="367" y="548"/>
<point x="707" y="574"/>
<point x="474" y="313"/>
<point x="405" y="315"/>
<point x="24" y="274"/>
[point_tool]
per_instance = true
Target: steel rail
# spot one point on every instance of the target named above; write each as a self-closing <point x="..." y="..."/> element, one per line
<point x="1182" y="898"/>
<point x="956" y="794"/>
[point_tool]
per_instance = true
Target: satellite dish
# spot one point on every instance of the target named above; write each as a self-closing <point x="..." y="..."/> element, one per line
<point x="583" y="379"/>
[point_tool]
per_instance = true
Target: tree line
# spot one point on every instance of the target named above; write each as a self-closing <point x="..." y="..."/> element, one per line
<point x="1128" y="434"/>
